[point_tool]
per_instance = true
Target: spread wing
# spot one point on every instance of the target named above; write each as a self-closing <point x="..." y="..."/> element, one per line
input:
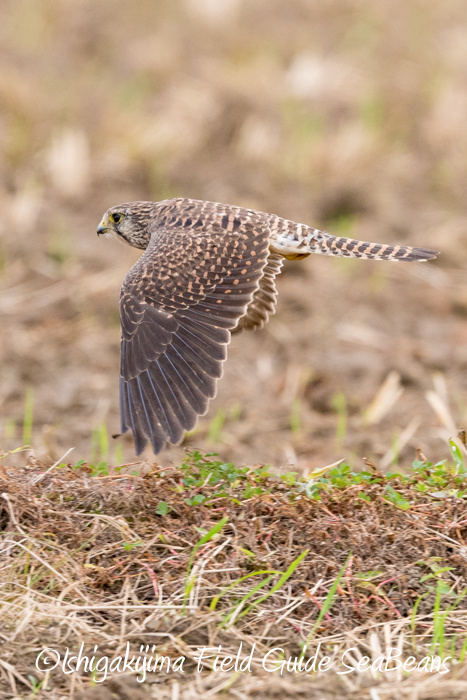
<point x="178" y="305"/>
<point x="263" y="304"/>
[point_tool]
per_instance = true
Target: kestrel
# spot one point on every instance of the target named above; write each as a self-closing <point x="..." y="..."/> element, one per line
<point x="208" y="270"/>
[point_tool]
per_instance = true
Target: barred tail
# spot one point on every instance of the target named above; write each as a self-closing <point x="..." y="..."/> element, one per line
<point x="350" y="248"/>
<point x="298" y="241"/>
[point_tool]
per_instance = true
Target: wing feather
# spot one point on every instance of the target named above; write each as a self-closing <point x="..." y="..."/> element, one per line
<point x="178" y="305"/>
<point x="263" y="304"/>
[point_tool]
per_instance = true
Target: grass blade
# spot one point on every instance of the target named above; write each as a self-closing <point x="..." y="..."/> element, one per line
<point x="328" y="601"/>
<point x="284" y="577"/>
<point x="28" y="416"/>
<point x="208" y="536"/>
<point x="104" y="442"/>
<point x="414" y="615"/>
<point x="438" y="620"/>
<point x="216" y="598"/>
<point x="258" y="586"/>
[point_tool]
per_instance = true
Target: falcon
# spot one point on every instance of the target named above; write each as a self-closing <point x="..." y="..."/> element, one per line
<point x="208" y="270"/>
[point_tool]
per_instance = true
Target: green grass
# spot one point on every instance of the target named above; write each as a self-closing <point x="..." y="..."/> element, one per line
<point x="28" y="416"/>
<point x="9" y="429"/>
<point x="199" y="469"/>
<point x="216" y="425"/>
<point x="118" y="453"/>
<point x="296" y="416"/>
<point x="208" y="536"/>
<point x="216" y="598"/>
<point x="100" y="444"/>
<point x="340" y="406"/>
<point x="328" y="601"/>
<point x="205" y="479"/>
<point x="103" y="442"/>
<point x="282" y="580"/>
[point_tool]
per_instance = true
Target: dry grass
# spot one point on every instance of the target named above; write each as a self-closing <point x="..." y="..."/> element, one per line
<point x="127" y="558"/>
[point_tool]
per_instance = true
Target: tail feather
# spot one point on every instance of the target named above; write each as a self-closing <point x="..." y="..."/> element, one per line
<point x="298" y="241"/>
<point x="348" y="247"/>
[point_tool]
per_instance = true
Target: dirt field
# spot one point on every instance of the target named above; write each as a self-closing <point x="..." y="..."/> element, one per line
<point x="348" y="117"/>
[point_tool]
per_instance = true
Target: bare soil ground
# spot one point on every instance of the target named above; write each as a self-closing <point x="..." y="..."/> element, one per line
<point x="346" y="117"/>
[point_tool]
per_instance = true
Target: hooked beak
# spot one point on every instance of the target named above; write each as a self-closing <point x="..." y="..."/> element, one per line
<point x="102" y="228"/>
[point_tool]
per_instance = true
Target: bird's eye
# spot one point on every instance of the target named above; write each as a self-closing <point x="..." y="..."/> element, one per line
<point x="116" y="218"/>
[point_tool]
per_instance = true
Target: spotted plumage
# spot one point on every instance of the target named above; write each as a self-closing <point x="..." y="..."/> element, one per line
<point x="208" y="270"/>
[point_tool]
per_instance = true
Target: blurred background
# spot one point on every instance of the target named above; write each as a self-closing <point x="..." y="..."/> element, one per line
<point x="348" y="116"/>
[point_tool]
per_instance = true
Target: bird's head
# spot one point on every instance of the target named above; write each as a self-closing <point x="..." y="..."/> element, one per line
<point x="129" y="223"/>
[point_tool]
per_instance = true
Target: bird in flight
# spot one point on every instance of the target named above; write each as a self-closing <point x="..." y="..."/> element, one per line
<point x="208" y="270"/>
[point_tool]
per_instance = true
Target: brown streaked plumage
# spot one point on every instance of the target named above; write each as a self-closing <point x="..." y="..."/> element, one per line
<point x="208" y="270"/>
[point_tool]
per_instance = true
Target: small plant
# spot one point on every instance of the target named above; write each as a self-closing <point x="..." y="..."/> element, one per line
<point x="196" y="500"/>
<point x="101" y="469"/>
<point x="443" y="477"/>
<point x="100" y="444"/>
<point x="35" y="685"/>
<point x="365" y="578"/>
<point x="200" y="470"/>
<point x="296" y="416"/>
<point x="216" y="425"/>
<point x="28" y="417"/>
<point x="118" y="453"/>
<point x="9" y="430"/>
<point x="282" y="580"/>
<point x="235" y="411"/>
<point x="128" y="546"/>
<point x="396" y="498"/>
<point x="328" y="601"/>
<point x="340" y="406"/>
<point x="208" y="536"/>
<point x="443" y="587"/>
<point x="162" y="508"/>
<point x="340" y="477"/>
<point x="290" y="478"/>
<point x="457" y="457"/>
